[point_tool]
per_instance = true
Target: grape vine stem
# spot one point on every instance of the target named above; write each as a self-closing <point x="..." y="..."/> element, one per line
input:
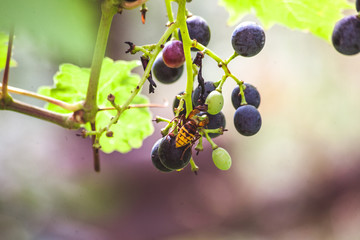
<point x="213" y="145"/>
<point x="5" y="95"/>
<point x="108" y="10"/>
<point x="8" y="103"/>
<point x="63" y="120"/>
<point x="147" y="105"/>
<point x="71" y="107"/>
<point x="187" y="43"/>
<point x="221" y="63"/>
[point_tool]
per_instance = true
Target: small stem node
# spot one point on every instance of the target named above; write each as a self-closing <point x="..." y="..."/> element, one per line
<point x="194" y="167"/>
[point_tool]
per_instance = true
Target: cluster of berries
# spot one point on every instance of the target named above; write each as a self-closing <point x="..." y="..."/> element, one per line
<point x="173" y="150"/>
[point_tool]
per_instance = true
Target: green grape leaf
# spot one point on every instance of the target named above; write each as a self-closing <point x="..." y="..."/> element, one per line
<point x="70" y="86"/>
<point x="134" y="125"/>
<point x="317" y="17"/>
<point x="4" y="38"/>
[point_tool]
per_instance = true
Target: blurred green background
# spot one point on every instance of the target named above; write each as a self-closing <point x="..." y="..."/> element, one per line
<point x="298" y="178"/>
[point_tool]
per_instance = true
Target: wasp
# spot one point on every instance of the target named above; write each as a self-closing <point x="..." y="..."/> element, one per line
<point x="188" y="132"/>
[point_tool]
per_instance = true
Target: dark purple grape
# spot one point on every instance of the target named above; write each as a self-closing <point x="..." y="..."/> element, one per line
<point x="248" y="39"/>
<point x="209" y="87"/>
<point x="163" y="73"/>
<point x="357" y="4"/>
<point x="172" y="157"/>
<point x="346" y="35"/>
<point x="252" y="96"/>
<point x="173" y="54"/>
<point x="199" y="30"/>
<point x="215" y="121"/>
<point x="247" y="120"/>
<point x="155" y="157"/>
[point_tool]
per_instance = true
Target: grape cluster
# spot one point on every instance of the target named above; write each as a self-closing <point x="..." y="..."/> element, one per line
<point x="346" y="34"/>
<point x="165" y="74"/>
<point x="206" y="121"/>
<point x="247" y="119"/>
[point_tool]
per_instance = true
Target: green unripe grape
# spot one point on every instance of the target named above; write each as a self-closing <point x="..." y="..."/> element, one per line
<point x="215" y="102"/>
<point x="221" y="158"/>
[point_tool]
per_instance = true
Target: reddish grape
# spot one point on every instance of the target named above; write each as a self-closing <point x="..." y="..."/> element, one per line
<point x="173" y="54"/>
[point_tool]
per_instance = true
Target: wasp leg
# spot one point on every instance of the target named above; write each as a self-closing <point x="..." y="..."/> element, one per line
<point x="178" y="123"/>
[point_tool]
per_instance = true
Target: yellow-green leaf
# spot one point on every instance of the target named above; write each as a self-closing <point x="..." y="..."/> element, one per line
<point x="317" y="17"/>
<point x="116" y="78"/>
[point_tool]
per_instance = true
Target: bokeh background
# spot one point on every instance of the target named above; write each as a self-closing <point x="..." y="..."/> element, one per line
<point x="298" y="178"/>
